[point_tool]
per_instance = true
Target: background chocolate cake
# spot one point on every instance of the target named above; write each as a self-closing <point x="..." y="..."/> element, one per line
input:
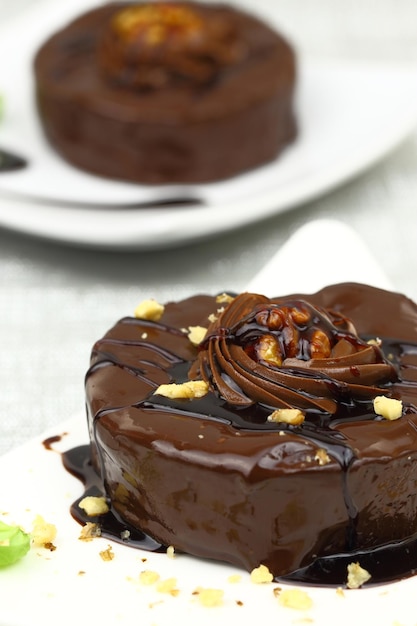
<point x="166" y="92"/>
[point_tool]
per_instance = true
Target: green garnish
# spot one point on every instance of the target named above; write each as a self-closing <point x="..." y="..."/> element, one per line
<point x="14" y="544"/>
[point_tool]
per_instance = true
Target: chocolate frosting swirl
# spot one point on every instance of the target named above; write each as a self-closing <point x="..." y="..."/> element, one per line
<point x="289" y="354"/>
<point x="149" y="46"/>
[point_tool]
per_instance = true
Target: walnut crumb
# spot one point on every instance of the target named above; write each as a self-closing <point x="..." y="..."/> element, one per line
<point x="357" y="576"/>
<point x="43" y="533"/>
<point x="389" y="408"/>
<point x="171" y="552"/>
<point x="340" y="592"/>
<point x="261" y="575"/>
<point x="94" y="505"/>
<point x="189" y="389"/>
<point x="209" y="597"/>
<point x="234" y="578"/>
<point x="224" y="297"/>
<point x="288" y="416"/>
<point x="107" y="554"/>
<point x="212" y="318"/>
<point x="90" y="531"/>
<point x="148" y="577"/>
<point x="374" y="342"/>
<point x="322" y="457"/>
<point x="149" y="310"/>
<point x="196" y="334"/>
<point x="168" y="586"/>
<point x="295" y="599"/>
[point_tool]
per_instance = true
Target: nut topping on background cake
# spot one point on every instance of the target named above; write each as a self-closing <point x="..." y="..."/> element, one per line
<point x="147" y="46"/>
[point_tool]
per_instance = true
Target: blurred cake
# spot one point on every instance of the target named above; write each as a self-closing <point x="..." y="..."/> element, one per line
<point x="166" y="92"/>
<point x="259" y="431"/>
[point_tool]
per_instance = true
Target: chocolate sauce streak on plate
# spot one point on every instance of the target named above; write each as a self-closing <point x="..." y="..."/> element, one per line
<point x="48" y="443"/>
<point x="77" y="462"/>
<point x="10" y="162"/>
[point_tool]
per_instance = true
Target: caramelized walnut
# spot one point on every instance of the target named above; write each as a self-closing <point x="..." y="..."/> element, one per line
<point x="289" y="355"/>
<point x="148" y="46"/>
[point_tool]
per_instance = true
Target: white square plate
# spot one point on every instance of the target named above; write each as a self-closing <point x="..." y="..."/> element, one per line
<point x="74" y="585"/>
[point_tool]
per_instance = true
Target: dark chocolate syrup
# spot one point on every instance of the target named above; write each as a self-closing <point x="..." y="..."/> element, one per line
<point x="77" y="461"/>
<point x="10" y="162"/>
<point x="387" y="563"/>
<point x="48" y="443"/>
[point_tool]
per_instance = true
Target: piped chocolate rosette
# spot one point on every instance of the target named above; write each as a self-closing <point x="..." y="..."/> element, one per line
<point x="290" y="355"/>
<point x="149" y="46"/>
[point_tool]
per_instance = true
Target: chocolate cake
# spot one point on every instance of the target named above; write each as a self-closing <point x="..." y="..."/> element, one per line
<point x="250" y="430"/>
<point x="166" y="92"/>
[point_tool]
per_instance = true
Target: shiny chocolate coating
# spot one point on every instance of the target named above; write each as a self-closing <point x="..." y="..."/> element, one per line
<point x="166" y="92"/>
<point x="218" y="479"/>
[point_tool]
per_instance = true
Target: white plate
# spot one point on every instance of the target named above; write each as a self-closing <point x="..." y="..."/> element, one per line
<point x="46" y="588"/>
<point x="350" y="115"/>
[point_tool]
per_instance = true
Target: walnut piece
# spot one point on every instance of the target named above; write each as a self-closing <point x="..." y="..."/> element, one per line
<point x="209" y="597"/>
<point x="90" y="531"/>
<point x="295" y="599"/>
<point x="196" y="334"/>
<point x="357" y="576"/>
<point x="94" y="505"/>
<point x="107" y="554"/>
<point x="289" y="416"/>
<point x="389" y="408"/>
<point x="224" y="298"/>
<point x="149" y="310"/>
<point x="169" y="585"/>
<point x="43" y="533"/>
<point x="189" y="389"/>
<point x="234" y="579"/>
<point x="261" y="575"/>
<point x="267" y="349"/>
<point x="322" y="457"/>
<point x="148" y="577"/>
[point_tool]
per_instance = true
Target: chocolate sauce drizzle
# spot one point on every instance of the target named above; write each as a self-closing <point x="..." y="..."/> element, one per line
<point x="391" y="562"/>
<point x="10" y="162"/>
<point x="77" y="461"/>
<point x="387" y="562"/>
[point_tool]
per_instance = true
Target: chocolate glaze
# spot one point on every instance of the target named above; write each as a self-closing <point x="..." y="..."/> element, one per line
<point x="213" y="96"/>
<point x="218" y="480"/>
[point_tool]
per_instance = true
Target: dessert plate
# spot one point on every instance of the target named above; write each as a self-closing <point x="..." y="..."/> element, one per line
<point x="74" y="584"/>
<point x="350" y="116"/>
